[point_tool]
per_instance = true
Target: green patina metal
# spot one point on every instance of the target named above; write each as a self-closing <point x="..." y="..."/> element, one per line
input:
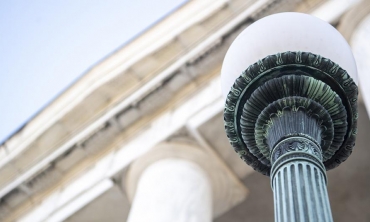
<point x="285" y="83"/>
<point x="297" y="93"/>
<point x="297" y="108"/>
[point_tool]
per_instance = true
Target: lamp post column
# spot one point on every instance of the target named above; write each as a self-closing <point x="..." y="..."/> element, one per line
<point x="298" y="180"/>
<point x="298" y="176"/>
<point x="292" y="113"/>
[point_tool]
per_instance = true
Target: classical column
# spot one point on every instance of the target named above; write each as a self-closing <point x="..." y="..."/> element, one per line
<point x="172" y="190"/>
<point x="180" y="182"/>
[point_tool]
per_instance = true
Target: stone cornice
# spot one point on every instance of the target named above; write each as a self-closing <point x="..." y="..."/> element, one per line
<point x="67" y="126"/>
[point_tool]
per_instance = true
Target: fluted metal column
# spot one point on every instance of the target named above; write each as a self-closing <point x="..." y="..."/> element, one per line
<point x="298" y="176"/>
<point x="292" y="116"/>
<point x="298" y="180"/>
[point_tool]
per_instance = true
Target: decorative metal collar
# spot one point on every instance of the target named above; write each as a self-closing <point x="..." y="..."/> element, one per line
<point x="326" y="91"/>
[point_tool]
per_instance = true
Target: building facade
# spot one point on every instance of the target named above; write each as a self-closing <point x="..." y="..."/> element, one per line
<point x="140" y="137"/>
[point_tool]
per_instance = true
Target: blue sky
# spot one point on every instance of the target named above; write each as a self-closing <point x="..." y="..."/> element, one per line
<point x="46" y="45"/>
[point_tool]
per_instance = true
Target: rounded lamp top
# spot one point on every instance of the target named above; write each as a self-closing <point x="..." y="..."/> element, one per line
<point x="284" y="32"/>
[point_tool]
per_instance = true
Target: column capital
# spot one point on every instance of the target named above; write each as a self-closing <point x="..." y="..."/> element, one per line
<point x="227" y="190"/>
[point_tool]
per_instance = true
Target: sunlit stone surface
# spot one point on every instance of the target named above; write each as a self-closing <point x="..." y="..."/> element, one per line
<point x="172" y="190"/>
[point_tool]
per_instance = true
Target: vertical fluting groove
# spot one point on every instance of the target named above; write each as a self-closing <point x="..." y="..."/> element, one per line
<point x="307" y="191"/>
<point x="279" y="200"/>
<point x="283" y="194"/>
<point x="276" y="209"/>
<point x="316" y="198"/>
<point x="319" y="190"/>
<point x="312" y="195"/>
<point x="325" y="198"/>
<point x="302" y="197"/>
<point x="320" y="194"/>
<point x="296" y="177"/>
<point x="290" y="192"/>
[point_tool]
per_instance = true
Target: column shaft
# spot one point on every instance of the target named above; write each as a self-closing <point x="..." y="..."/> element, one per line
<point x="299" y="183"/>
<point x="300" y="193"/>
<point x="172" y="190"/>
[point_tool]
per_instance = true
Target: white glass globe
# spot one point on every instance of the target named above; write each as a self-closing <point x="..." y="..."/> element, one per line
<point x="283" y="32"/>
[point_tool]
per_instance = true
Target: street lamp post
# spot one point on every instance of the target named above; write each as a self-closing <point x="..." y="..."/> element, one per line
<point x="289" y="81"/>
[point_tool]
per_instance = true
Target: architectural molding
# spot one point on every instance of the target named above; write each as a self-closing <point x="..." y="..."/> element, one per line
<point x="352" y="18"/>
<point x="331" y="11"/>
<point x="64" y="139"/>
<point x="123" y="154"/>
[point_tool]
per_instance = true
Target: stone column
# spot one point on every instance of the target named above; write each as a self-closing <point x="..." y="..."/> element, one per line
<point x="180" y="182"/>
<point x="172" y="190"/>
